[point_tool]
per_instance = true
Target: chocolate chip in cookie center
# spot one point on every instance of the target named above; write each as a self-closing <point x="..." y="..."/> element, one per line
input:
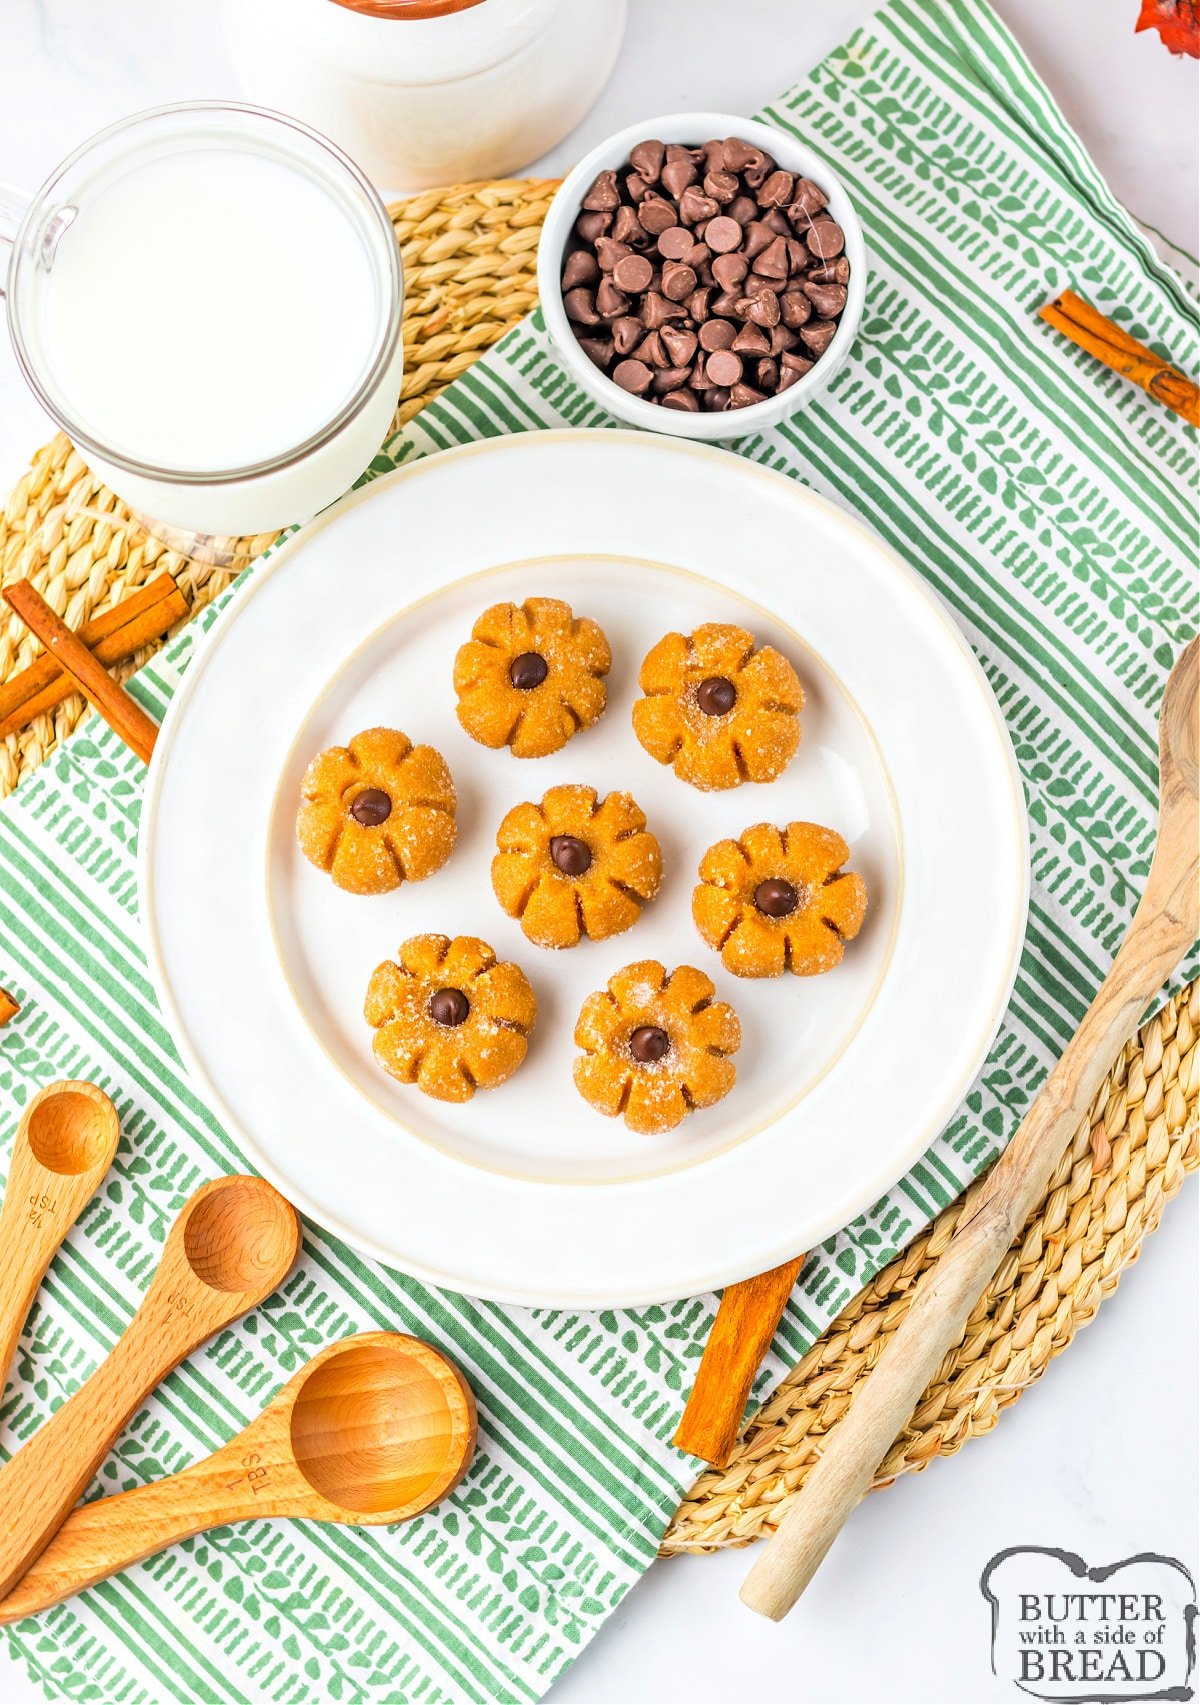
<point x="716" y="233"/>
<point x="371" y="807"/>
<point x="572" y="856"/>
<point x="448" y="1007"/>
<point x="776" y="898"/>
<point x="649" y="1044"/>
<point x="716" y="696"/>
<point x="528" y="670"/>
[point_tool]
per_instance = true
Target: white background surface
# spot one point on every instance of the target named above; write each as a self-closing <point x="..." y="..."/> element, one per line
<point x="1101" y="1458"/>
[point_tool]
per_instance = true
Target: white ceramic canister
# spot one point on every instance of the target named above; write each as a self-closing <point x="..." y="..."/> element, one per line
<point x="429" y="92"/>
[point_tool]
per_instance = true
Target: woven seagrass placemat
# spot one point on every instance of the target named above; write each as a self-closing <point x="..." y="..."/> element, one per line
<point x="469" y="257"/>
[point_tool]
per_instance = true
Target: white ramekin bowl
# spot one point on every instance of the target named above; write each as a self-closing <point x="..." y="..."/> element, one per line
<point x="692" y="129"/>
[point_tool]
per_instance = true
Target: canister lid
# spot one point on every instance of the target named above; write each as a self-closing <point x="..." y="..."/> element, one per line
<point x="410" y="42"/>
<point x="407" y="8"/>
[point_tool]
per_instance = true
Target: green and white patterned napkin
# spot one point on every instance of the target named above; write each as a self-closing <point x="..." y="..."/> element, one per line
<point x="1052" y="506"/>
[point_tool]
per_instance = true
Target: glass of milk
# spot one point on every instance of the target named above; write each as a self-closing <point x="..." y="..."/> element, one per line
<point x="207" y="299"/>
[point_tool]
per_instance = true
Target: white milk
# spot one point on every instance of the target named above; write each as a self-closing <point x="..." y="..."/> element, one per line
<point x="208" y="309"/>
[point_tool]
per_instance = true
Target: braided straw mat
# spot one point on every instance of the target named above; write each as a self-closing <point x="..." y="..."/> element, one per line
<point x="469" y="261"/>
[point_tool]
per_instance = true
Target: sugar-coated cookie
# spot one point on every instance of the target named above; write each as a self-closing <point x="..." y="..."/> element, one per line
<point x="531" y="675"/>
<point x="576" y="865"/>
<point x="718" y="707"/>
<point x="656" y="1046"/>
<point x="377" y="812"/>
<point x="777" y="899"/>
<point x="449" y="1017"/>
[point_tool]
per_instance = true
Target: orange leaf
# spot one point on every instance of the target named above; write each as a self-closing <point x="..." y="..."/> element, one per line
<point x="1177" y="22"/>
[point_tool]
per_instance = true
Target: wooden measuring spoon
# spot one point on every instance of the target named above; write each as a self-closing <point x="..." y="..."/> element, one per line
<point x="1163" y="928"/>
<point x="233" y="1243"/>
<point x="372" y="1431"/>
<point x="63" y="1147"/>
<point x="740" y="1338"/>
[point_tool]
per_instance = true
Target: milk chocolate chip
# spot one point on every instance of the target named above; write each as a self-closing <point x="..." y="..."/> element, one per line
<point x="573" y="857"/>
<point x="674" y="242"/>
<point x="723" y="367"/>
<point x="649" y="1044"/>
<point x="678" y="281"/>
<point x="528" y="670"/>
<point x="647" y="158"/>
<point x="825" y="238"/>
<point x="827" y="299"/>
<point x="717" y="696"/>
<point x="449" y="1007"/>
<point x="717" y="334"/>
<point x="371" y="807"/>
<point x="603" y="195"/>
<point x="723" y="234"/>
<point x="581" y="268"/>
<point x="633" y="376"/>
<point x="776" y="898"/>
<point x="632" y="273"/>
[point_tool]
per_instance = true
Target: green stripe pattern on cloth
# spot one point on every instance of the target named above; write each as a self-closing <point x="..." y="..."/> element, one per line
<point x="1052" y="507"/>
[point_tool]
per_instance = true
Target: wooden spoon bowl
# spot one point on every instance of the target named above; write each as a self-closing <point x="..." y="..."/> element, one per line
<point x="64" y="1145"/>
<point x="237" y="1234"/>
<point x="381" y="1426"/>
<point x="70" y="1128"/>
<point x="373" y="1431"/>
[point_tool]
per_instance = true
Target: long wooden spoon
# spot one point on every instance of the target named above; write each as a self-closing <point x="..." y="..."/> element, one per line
<point x="740" y="1337"/>
<point x="1163" y="928"/>
<point x="372" y="1431"/>
<point x="63" y="1147"/>
<point x="234" y="1241"/>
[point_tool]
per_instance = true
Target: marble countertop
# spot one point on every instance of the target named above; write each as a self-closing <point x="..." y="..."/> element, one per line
<point x="1101" y="1458"/>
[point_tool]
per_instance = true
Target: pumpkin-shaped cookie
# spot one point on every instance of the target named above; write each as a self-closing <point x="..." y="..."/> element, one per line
<point x="530" y="676"/>
<point x="719" y="708"/>
<point x="449" y="1016"/>
<point x="778" y="900"/>
<point x="377" y="812"/>
<point x="576" y="865"/>
<point x="656" y="1046"/>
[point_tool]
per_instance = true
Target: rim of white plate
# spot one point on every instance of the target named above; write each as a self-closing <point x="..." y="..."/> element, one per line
<point x="854" y="1200"/>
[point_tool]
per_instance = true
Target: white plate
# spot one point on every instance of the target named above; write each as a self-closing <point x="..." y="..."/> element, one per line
<point x="525" y="1194"/>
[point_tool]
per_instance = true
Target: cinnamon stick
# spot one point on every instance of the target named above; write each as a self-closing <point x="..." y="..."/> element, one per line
<point x="741" y="1336"/>
<point x="112" y="637"/>
<point x="123" y="714"/>
<point x="1089" y="329"/>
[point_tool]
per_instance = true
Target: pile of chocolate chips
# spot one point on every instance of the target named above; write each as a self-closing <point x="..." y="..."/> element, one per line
<point x="704" y="278"/>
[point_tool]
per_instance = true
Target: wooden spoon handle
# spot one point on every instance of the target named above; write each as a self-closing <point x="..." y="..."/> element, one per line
<point x="1164" y="926"/>
<point x="233" y="1242"/>
<point x="49" y="1474"/>
<point x="39" y="1210"/>
<point x="110" y="1534"/>
<point x="740" y="1338"/>
<point x="40" y="1207"/>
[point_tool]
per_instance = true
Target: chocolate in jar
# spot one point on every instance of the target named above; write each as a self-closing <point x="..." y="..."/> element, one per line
<point x="704" y="278"/>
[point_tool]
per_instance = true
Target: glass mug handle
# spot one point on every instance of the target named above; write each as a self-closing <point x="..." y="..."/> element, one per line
<point x="14" y="204"/>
